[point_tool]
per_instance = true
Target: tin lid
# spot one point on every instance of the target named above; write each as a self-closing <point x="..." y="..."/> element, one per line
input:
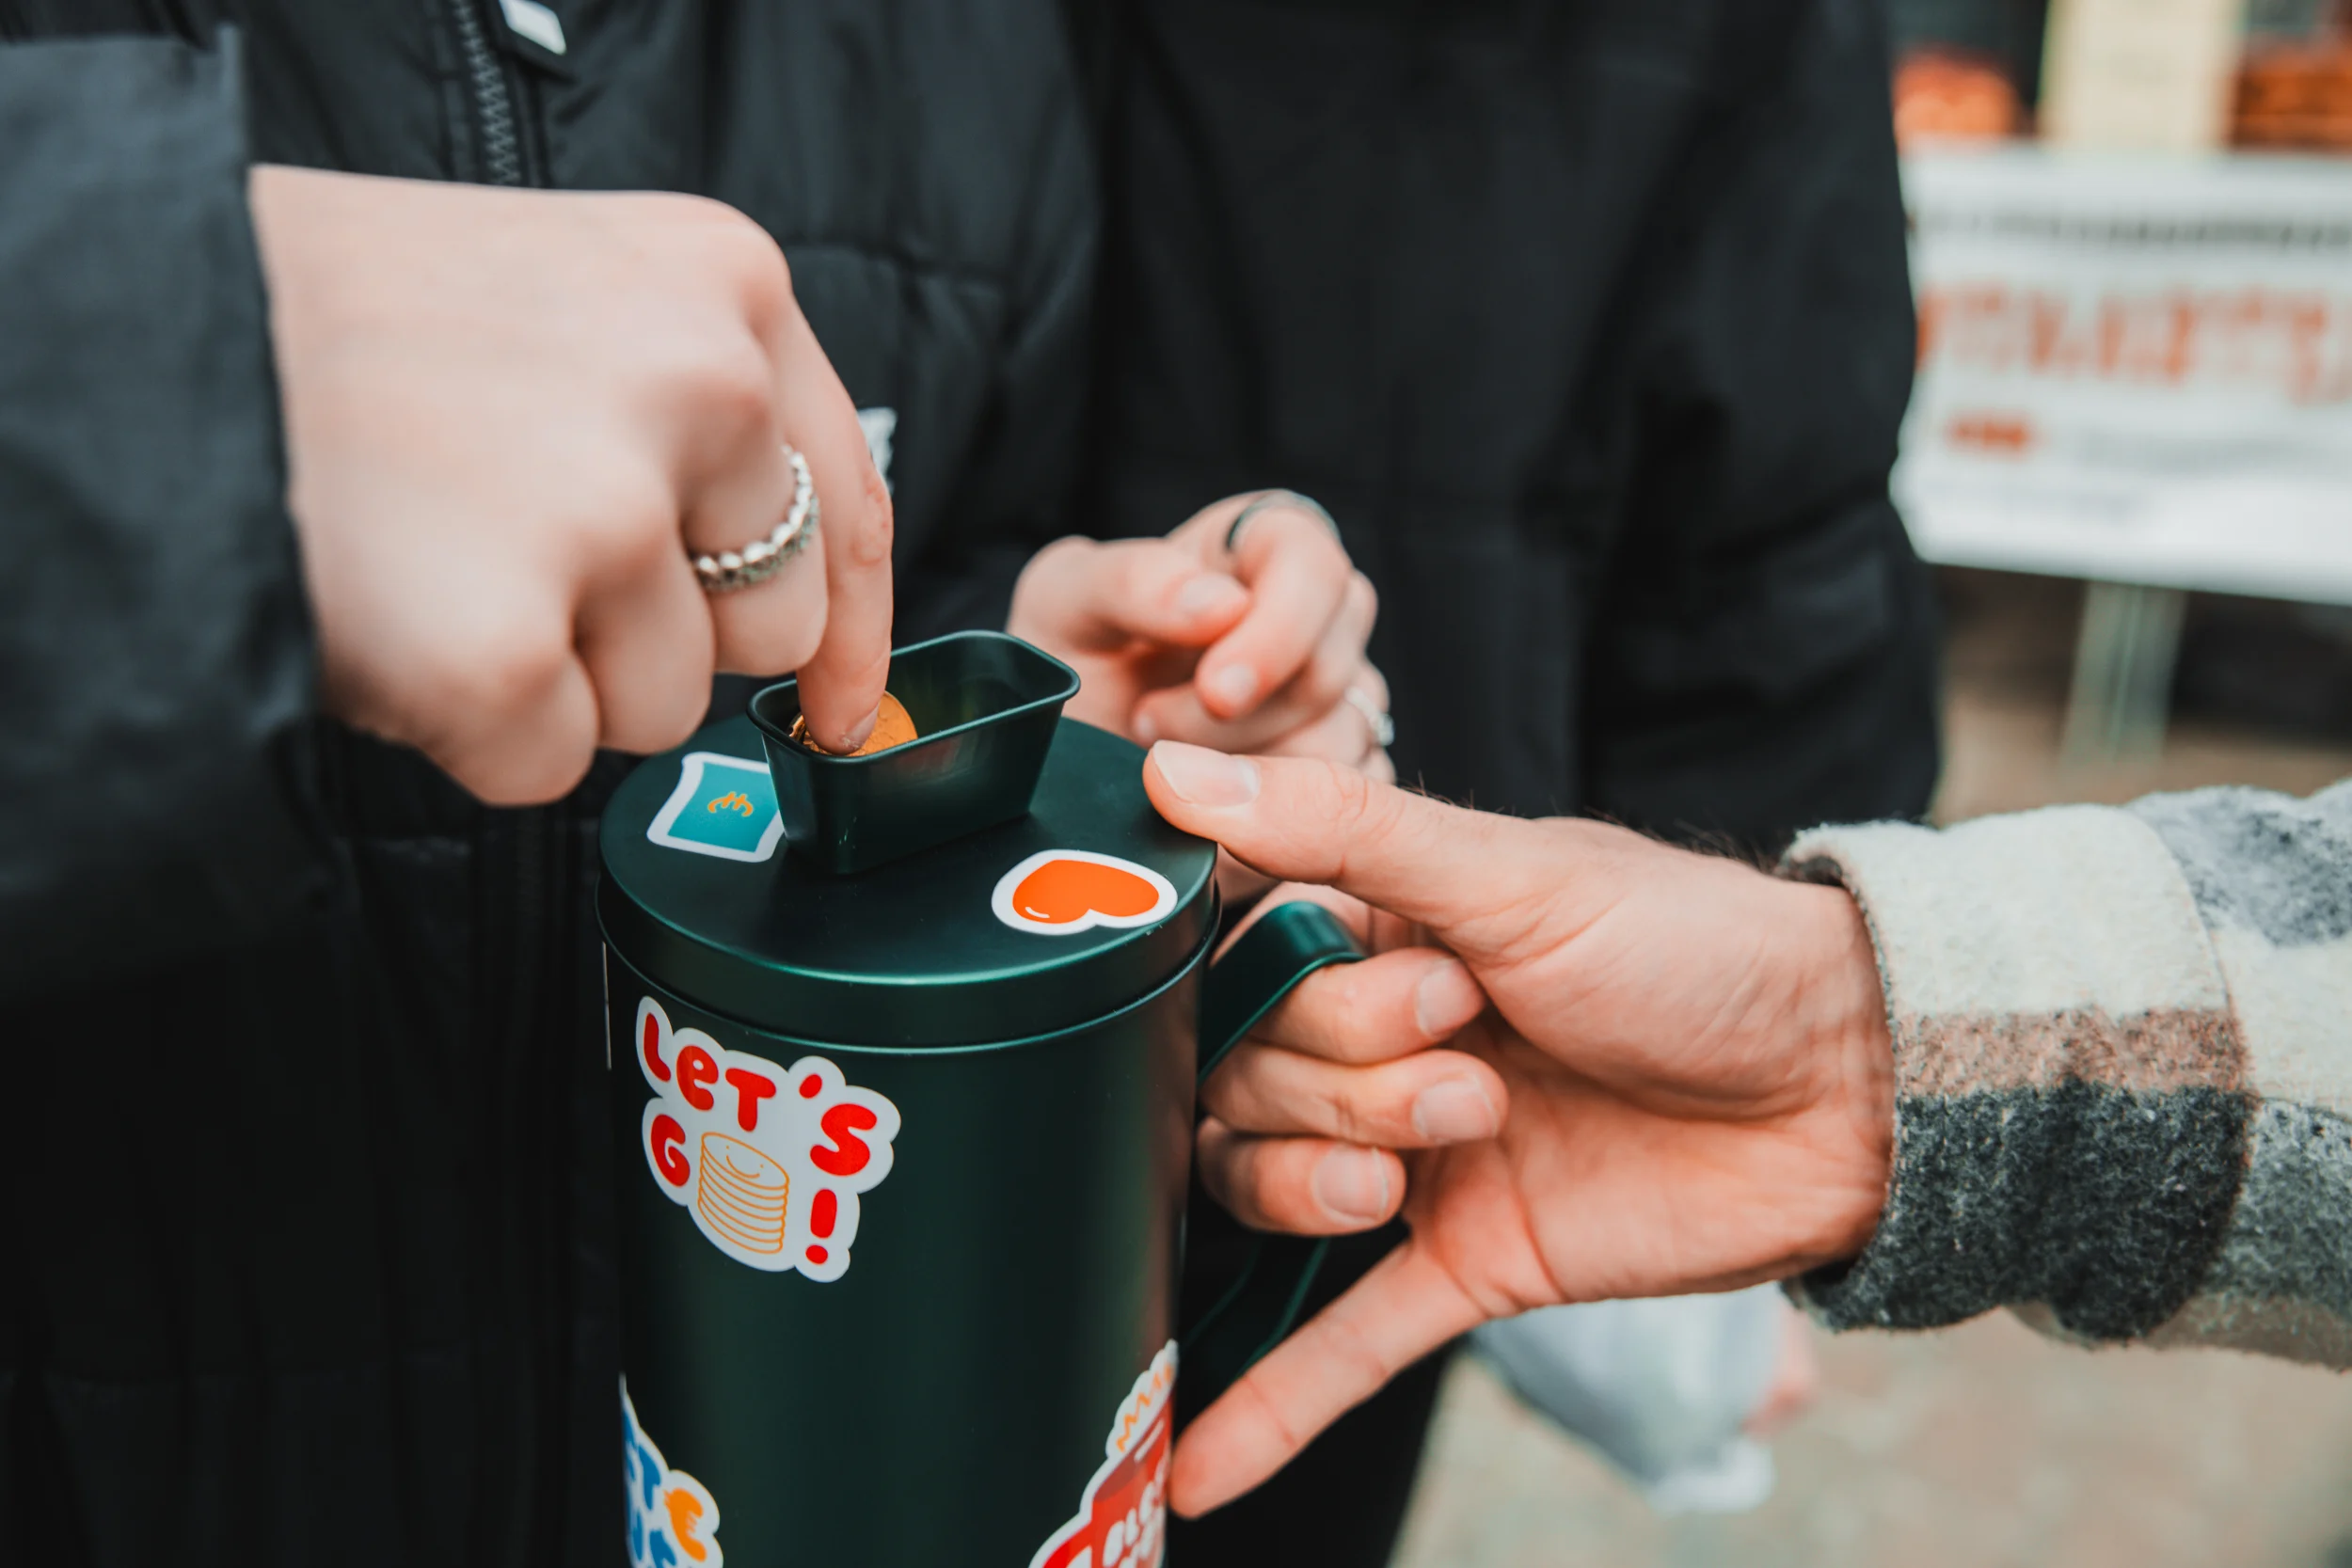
<point x="1086" y="904"/>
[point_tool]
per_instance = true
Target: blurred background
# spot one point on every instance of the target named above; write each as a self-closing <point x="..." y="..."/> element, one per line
<point x="2130" y="456"/>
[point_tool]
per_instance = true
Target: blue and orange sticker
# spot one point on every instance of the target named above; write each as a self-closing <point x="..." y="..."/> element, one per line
<point x="724" y="806"/>
<point x="673" y="1518"/>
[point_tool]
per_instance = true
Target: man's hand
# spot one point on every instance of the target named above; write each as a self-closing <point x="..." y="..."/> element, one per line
<point x="1252" y="650"/>
<point x="1700" y="1089"/>
<point x="509" y="416"/>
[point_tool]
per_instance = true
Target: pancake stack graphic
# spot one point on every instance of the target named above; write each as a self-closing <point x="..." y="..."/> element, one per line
<point x="740" y="1192"/>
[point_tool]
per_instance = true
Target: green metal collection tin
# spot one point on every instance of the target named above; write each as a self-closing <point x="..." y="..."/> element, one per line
<point x="903" y="1156"/>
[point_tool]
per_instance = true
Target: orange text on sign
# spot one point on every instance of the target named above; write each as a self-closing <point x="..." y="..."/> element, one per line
<point x="2295" y="342"/>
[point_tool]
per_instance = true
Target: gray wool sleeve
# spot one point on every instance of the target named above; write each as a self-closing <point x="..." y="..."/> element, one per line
<point x="2123" y="1066"/>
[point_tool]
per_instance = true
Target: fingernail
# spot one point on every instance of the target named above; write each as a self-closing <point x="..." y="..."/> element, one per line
<point x="1446" y="998"/>
<point x="859" y="731"/>
<point x="1235" y="685"/>
<point x="1352" y="1186"/>
<point x="1200" y="777"/>
<point x="1454" y="1110"/>
<point x="1211" y="592"/>
<point x="1146" y="728"/>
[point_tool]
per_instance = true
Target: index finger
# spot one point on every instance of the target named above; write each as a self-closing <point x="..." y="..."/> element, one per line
<point x="841" y="685"/>
<point x="1467" y="876"/>
<point x="1405" y="1308"/>
<point x="1299" y="577"/>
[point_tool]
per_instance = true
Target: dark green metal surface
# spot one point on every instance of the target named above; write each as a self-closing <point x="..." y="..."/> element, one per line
<point x="908" y="953"/>
<point x="947" y="1397"/>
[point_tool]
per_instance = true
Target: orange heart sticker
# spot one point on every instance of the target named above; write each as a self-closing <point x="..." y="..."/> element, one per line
<point x="1062" y="892"/>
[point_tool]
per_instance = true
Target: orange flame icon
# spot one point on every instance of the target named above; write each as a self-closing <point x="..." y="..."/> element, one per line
<point x="733" y="801"/>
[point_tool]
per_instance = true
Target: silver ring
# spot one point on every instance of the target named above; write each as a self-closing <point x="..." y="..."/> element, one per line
<point x="1278" y="497"/>
<point x="1383" y="727"/>
<point x="762" y="559"/>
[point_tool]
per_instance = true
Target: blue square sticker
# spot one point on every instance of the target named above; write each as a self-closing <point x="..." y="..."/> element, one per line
<point x="724" y="806"/>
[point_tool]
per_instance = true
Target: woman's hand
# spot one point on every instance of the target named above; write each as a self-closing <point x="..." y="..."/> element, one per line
<point x="510" y="415"/>
<point x="1253" y="649"/>
<point x="1696" y="1085"/>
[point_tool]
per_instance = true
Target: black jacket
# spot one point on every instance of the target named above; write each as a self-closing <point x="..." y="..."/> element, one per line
<point x="1590" y="323"/>
<point x="303" y="1254"/>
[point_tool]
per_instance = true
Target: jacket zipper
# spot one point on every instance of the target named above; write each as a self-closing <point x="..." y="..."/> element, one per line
<point x="523" y="926"/>
<point x="535" y="833"/>
<point x="493" y="100"/>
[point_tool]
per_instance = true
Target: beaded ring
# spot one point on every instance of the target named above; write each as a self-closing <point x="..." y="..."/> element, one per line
<point x="755" y="563"/>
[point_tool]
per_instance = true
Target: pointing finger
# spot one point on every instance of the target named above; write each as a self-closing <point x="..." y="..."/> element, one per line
<point x="1405" y="1308"/>
<point x="841" y="685"/>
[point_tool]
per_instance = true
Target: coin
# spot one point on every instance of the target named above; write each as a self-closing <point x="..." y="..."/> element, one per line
<point x="892" y="727"/>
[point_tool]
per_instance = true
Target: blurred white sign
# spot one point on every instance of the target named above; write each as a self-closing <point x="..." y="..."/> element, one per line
<point x="2133" y="368"/>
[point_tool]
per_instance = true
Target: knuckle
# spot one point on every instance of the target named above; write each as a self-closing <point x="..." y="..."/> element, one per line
<point x="1351" y="797"/>
<point x="669" y="724"/>
<point x="767" y="644"/>
<point x="633" y="531"/>
<point x="1064" y="555"/>
<point x="729" y="248"/>
<point x="865" y="542"/>
<point x="1350" y="1120"/>
<point x="1230" y="1169"/>
<point x="1327" y="677"/>
<point x="548" y="772"/>
<point x="1135" y="577"/>
<point x="1303" y="535"/>
<point x="1218" y="1094"/>
<point x="736" y="391"/>
<point x="749" y="252"/>
<point x="1334" y="554"/>
<point x="1355" y="806"/>
<point x="500" y="674"/>
<point x="1350" y="1029"/>
<point x="1055" y="577"/>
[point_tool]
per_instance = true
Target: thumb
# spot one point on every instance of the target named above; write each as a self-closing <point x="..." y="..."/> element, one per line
<point x="1300" y="821"/>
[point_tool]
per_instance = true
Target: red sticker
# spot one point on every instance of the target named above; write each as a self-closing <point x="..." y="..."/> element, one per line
<point x="1122" y="1520"/>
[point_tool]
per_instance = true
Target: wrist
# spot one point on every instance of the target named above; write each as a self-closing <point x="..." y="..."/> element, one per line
<point x="1853" y="1059"/>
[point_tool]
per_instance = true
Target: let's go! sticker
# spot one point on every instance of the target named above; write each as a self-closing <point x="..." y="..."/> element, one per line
<point x="769" y="1159"/>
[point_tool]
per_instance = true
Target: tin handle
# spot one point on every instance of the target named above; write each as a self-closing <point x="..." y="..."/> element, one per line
<point x="1257" y="1309"/>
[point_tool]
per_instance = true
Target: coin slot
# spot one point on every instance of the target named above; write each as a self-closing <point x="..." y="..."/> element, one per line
<point x="984" y="706"/>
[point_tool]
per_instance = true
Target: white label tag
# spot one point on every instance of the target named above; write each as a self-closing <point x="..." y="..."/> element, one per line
<point x="533" y="21"/>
